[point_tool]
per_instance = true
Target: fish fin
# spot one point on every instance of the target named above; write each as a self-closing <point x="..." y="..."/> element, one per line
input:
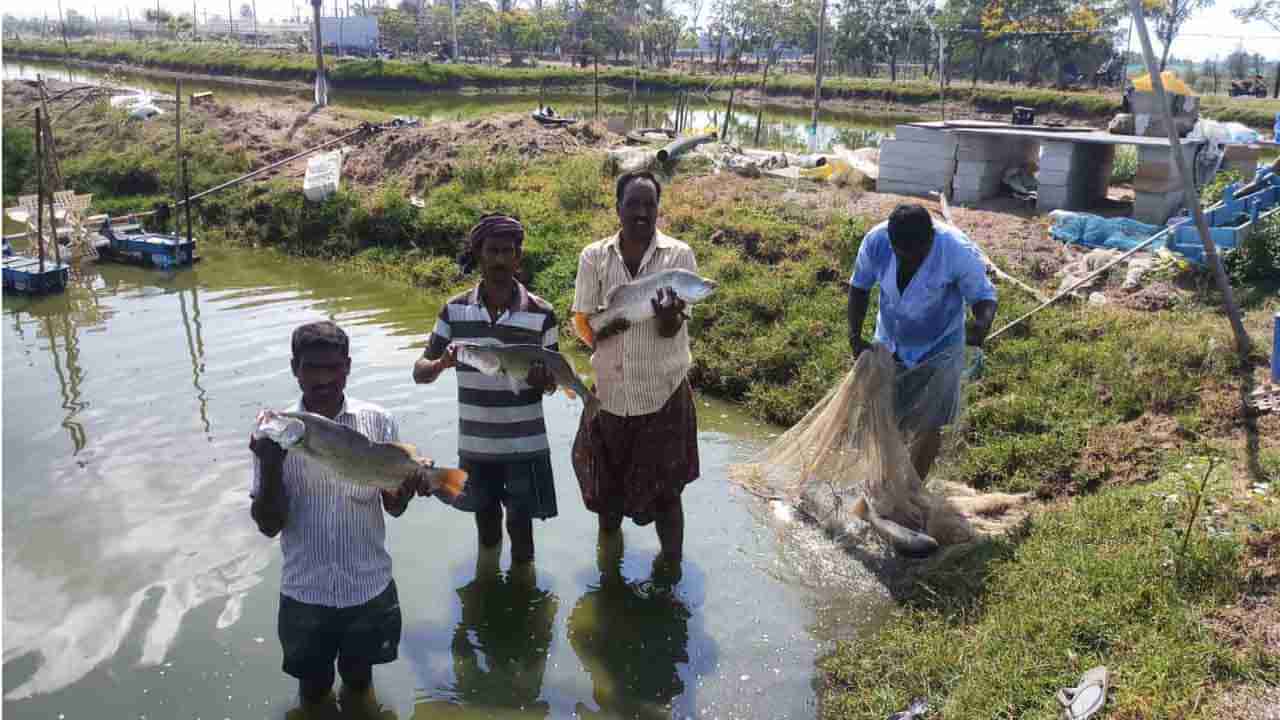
<point x="513" y="383"/>
<point x="407" y="447"/>
<point x="568" y="391"/>
<point x="447" y="482"/>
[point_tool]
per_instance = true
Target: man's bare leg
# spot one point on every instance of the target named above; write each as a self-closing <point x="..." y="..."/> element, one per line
<point x="924" y="451"/>
<point x="520" y="530"/>
<point x="669" y="522"/>
<point x="489" y="525"/>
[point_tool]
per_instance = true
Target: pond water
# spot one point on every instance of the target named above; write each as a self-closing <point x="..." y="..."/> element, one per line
<point x="779" y="127"/>
<point x="136" y="584"/>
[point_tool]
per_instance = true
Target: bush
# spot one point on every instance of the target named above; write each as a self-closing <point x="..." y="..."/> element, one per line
<point x="1257" y="260"/>
<point x="1125" y="167"/>
<point x="580" y="184"/>
<point x="19" y="159"/>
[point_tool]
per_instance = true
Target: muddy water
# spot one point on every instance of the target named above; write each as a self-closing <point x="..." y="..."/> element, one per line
<point x="778" y="127"/>
<point x="136" y="585"/>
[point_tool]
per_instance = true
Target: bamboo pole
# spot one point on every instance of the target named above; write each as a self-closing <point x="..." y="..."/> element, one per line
<point x="817" y="78"/>
<point x="1192" y="199"/>
<point x="39" y="191"/>
<point x="178" y="165"/>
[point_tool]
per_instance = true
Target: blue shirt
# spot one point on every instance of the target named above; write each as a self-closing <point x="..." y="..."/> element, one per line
<point x="928" y="316"/>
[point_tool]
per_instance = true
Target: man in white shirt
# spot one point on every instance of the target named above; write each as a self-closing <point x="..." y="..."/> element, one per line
<point x="634" y="457"/>
<point x="337" y="597"/>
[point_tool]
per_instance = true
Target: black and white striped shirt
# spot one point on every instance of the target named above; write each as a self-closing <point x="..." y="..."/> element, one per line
<point x="333" y="540"/>
<point x="494" y="423"/>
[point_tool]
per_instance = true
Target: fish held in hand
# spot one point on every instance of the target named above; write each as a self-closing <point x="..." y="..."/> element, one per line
<point x="634" y="300"/>
<point x="514" y="362"/>
<point x="354" y="457"/>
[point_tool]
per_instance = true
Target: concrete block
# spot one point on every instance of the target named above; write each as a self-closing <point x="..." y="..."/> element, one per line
<point x="912" y="133"/>
<point x="905" y="188"/>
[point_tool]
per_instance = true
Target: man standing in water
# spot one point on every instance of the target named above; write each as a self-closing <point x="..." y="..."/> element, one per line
<point x="634" y="457"/>
<point x="927" y="274"/>
<point x="337" y="597"/>
<point x="502" y="437"/>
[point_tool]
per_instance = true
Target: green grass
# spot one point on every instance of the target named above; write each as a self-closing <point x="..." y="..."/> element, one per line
<point x="987" y="634"/>
<point x="1125" y="167"/>
<point x="221" y="59"/>
<point x="995" y="633"/>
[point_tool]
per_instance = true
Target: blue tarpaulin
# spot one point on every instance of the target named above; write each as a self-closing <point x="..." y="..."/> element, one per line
<point x="1099" y="232"/>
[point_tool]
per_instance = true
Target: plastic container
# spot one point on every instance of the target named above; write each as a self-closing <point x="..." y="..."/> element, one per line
<point x="322" y="178"/>
<point x="1275" y="137"/>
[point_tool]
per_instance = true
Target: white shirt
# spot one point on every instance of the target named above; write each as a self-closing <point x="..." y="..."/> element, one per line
<point x="637" y="370"/>
<point x="334" y="537"/>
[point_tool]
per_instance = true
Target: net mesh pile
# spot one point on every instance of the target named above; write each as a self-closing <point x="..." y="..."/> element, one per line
<point x="857" y="442"/>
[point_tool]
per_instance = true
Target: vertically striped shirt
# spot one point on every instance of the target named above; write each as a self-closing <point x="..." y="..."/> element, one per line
<point x="638" y="370"/>
<point x="496" y="424"/>
<point x="333" y="539"/>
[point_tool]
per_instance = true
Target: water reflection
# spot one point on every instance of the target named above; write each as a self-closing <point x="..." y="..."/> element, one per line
<point x="195" y="350"/>
<point x="631" y="637"/>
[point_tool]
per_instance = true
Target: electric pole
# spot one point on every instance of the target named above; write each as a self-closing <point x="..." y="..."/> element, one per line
<point x="817" y="77"/>
<point x="322" y="90"/>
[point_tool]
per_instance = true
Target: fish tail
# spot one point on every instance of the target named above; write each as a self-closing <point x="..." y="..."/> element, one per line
<point x="860" y="508"/>
<point x="448" y="482"/>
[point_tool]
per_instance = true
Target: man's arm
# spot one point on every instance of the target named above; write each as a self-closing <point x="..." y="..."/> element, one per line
<point x="859" y="299"/>
<point x="270" y="508"/>
<point x="984" y="313"/>
<point x="439" y="355"/>
<point x="395" y="502"/>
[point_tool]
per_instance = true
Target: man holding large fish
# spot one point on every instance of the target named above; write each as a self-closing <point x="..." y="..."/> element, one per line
<point x="324" y="473"/>
<point x="502" y="341"/>
<point x="635" y="455"/>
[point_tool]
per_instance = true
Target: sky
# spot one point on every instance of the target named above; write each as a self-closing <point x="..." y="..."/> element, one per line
<point x="1213" y="31"/>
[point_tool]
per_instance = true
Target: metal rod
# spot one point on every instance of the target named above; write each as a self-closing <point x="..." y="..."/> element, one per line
<point x="39" y="191"/>
<point x="1191" y="198"/>
<point x="1078" y="284"/>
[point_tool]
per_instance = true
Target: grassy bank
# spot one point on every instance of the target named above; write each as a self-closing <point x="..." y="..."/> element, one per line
<point x="378" y="74"/>
<point x="1106" y="413"/>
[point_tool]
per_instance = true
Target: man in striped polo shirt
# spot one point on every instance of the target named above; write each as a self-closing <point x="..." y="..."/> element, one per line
<point x="337" y="597"/>
<point x="502" y="438"/>
<point x="635" y="456"/>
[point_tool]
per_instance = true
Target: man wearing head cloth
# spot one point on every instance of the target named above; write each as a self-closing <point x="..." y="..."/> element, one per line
<point x="502" y="438"/>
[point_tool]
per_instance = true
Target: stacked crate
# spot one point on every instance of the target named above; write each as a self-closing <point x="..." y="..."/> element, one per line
<point x="917" y="161"/>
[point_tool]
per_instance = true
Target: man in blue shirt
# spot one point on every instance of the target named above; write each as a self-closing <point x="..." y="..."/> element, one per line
<point x="927" y="274"/>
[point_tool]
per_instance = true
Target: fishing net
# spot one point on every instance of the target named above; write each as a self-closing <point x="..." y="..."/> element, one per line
<point x="859" y="441"/>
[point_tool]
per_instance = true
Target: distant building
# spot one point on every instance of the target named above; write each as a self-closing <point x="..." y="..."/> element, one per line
<point x="349" y="34"/>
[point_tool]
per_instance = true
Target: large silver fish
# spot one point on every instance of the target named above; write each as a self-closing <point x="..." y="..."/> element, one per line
<point x="354" y="457"/>
<point x="824" y="507"/>
<point x="633" y="301"/>
<point x="514" y="362"/>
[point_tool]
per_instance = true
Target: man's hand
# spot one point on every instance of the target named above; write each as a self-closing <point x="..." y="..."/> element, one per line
<point x="422" y="484"/>
<point x="858" y="345"/>
<point x="669" y="309"/>
<point x="268" y="451"/>
<point x="449" y="358"/>
<point x="979" y="326"/>
<point x="540" y="378"/>
<point x="617" y="327"/>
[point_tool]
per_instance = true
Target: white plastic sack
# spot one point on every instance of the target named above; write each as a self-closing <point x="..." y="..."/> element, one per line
<point x="323" y="176"/>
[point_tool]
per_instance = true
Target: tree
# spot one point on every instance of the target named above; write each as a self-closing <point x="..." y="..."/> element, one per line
<point x="1267" y="11"/>
<point x="1067" y="27"/>
<point x="246" y="11"/>
<point x="1169" y="19"/>
<point x="1210" y="68"/>
<point x="399" y="29"/>
<point x="1238" y="62"/>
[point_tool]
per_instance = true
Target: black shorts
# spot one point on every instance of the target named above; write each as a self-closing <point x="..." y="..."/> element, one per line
<point x="526" y="486"/>
<point x="313" y="636"/>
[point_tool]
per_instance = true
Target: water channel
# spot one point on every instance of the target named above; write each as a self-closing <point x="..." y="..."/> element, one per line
<point x="137" y="586"/>
<point x="785" y="128"/>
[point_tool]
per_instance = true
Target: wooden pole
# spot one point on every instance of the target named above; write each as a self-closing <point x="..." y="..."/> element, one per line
<point x="817" y="76"/>
<point x="39" y="190"/>
<point x="178" y="164"/>
<point x="1191" y="198"/>
<point x="596" y="81"/>
<point x="186" y="195"/>
<point x="733" y="85"/>
<point x="129" y="19"/>
<point x="195" y="22"/>
<point x="322" y="92"/>
<point x="62" y="22"/>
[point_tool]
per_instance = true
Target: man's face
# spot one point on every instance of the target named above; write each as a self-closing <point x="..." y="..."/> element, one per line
<point x="322" y="375"/>
<point x="638" y="212"/>
<point x="499" y="258"/>
<point x="909" y="250"/>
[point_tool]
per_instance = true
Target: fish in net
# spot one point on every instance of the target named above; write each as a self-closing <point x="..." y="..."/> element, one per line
<point x="849" y="460"/>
